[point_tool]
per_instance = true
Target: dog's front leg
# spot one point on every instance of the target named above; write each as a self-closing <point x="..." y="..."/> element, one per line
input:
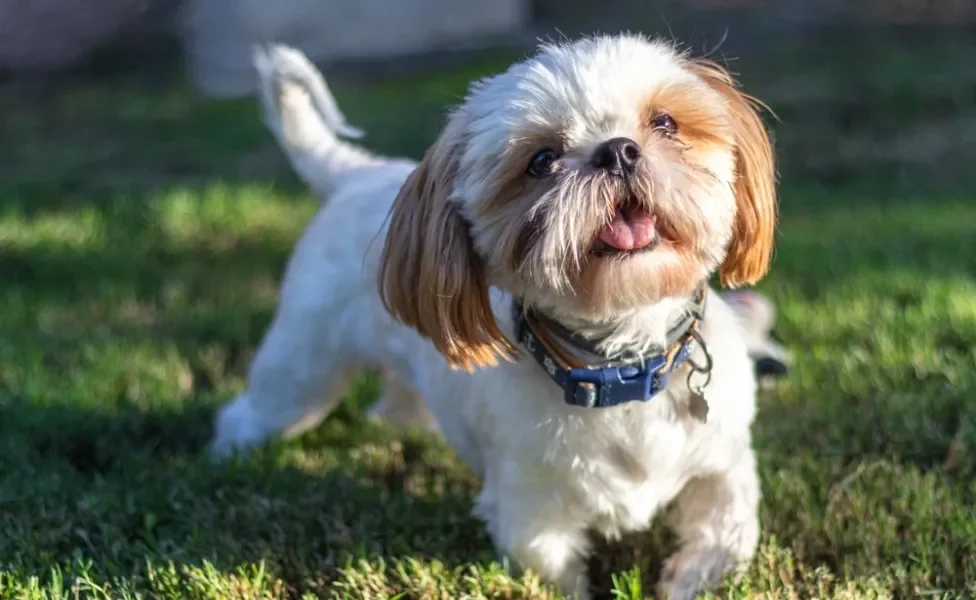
<point x="532" y="530"/>
<point x="717" y="522"/>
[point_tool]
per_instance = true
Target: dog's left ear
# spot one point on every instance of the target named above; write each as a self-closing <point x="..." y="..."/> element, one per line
<point x="751" y="248"/>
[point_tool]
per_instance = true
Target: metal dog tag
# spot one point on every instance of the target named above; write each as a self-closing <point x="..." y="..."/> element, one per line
<point x="698" y="406"/>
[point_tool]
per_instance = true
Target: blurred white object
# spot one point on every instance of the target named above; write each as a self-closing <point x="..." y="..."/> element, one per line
<point x="218" y="35"/>
<point x="758" y="315"/>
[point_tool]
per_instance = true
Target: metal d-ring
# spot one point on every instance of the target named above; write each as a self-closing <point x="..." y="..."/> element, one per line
<point x="706" y="370"/>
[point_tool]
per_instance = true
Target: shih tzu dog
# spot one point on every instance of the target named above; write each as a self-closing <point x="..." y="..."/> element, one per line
<point x="539" y="284"/>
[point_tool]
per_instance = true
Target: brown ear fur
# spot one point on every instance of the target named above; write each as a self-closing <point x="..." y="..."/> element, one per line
<point x="430" y="277"/>
<point x="751" y="248"/>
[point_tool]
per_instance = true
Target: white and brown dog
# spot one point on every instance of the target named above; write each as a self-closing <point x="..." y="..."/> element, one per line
<point x="542" y="290"/>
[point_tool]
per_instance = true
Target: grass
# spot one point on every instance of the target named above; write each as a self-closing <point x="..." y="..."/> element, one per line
<point x="143" y="232"/>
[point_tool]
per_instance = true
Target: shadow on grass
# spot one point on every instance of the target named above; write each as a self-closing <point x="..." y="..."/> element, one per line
<point x="125" y="486"/>
<point x="129" y="488"/>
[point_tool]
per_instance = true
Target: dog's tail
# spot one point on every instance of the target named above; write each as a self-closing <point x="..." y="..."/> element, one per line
<point x="302" y="114"/>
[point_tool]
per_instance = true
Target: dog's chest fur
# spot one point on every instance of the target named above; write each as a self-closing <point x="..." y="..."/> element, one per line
<point x="613" y="468"/>
<point x="622" y="464"/>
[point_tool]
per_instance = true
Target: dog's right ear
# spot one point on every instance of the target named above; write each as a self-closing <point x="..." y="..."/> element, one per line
<point x="430" y="277"/>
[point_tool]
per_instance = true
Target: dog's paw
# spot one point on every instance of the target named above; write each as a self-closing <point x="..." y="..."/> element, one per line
<point x="236" y="429"/>
<point x="693" y="570"/>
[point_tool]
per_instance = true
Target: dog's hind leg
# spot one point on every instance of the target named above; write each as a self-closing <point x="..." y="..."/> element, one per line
<point x="400" y="404"/>
<point x="295" y="380"/>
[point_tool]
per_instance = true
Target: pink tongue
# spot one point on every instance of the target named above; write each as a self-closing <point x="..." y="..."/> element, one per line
<point x="631" y="229"/>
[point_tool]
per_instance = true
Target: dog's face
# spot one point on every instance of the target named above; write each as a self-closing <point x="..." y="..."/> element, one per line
<point x="594" y="178"/>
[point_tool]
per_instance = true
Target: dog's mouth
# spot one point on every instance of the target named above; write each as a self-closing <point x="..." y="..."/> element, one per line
<point x="632" y="229"/>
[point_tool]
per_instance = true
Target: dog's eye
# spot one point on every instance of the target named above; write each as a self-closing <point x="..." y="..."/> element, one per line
<point x="665" y="124"/>
<point x="541" y="164"/>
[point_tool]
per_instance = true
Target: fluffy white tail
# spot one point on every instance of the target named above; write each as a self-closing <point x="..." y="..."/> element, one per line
<point x="304" y="117"/>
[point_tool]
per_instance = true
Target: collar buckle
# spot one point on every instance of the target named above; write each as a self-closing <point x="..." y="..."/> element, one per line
<point x="597" y="388"/>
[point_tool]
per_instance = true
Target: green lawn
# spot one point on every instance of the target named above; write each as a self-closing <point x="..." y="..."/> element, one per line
<point x="142" y="236"/>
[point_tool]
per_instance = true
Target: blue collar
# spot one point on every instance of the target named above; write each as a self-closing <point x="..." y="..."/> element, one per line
<point x="599" y="387"/>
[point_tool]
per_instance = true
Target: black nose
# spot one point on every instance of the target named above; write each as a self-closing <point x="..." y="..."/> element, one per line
<point x="617" y="155"/>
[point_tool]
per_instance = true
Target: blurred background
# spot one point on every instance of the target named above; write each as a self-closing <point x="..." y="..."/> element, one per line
<point x="842" y="73"/>
<point x="146" y="216"/>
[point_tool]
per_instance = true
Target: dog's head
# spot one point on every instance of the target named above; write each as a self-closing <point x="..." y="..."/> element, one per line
<point x="595" y="177"/>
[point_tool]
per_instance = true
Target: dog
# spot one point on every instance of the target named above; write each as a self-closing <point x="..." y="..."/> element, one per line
<point x="539" y="284"/>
